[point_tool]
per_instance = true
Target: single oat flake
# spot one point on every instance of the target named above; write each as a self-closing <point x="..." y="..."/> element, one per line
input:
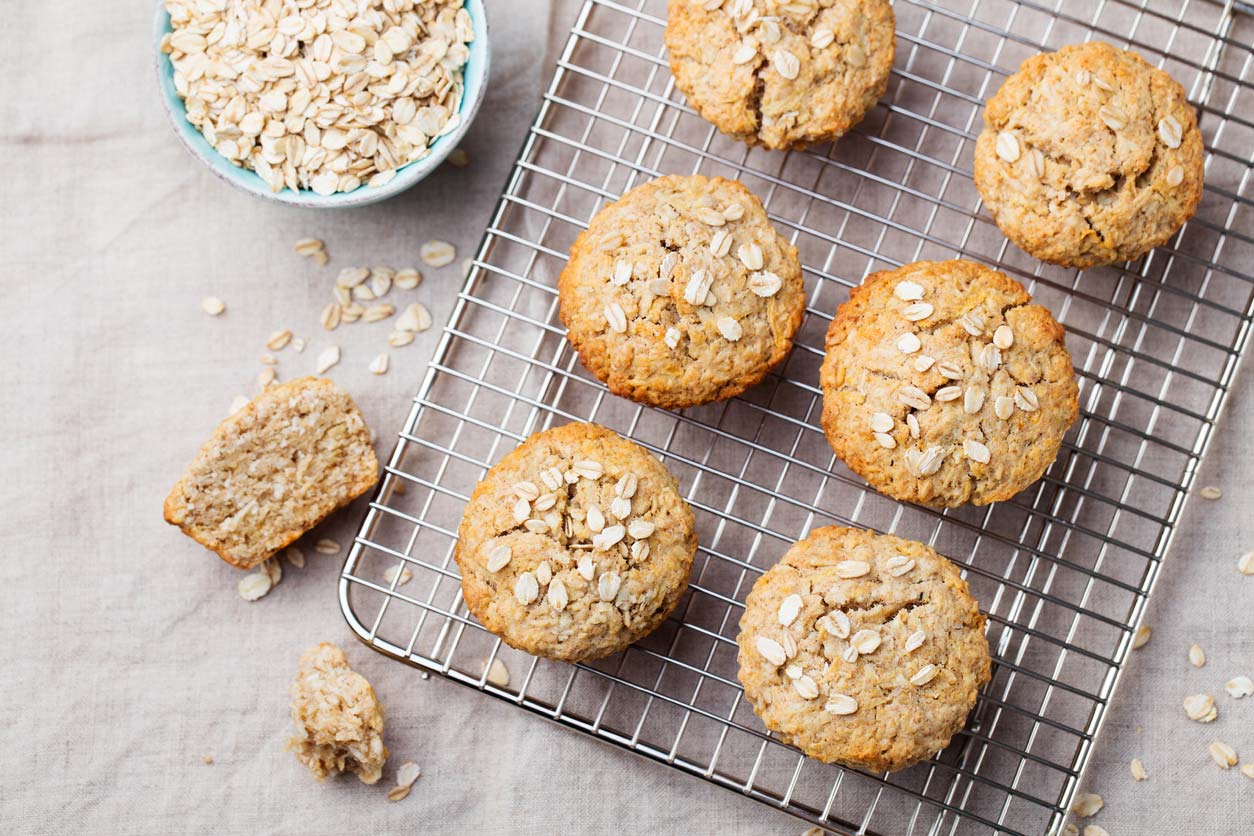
<point x="309" y="246"/>
<point x="391" y="575"/>
<point x="437" y="253"/>
<point x="1007" y="146"/>
<point x="331" y="316"/>
<point x="1138" y="770"/>
<point x="254" y="586"/>
<point x="414" y="319"/>
<point x="407" y="774"/>
<point x="1239" y="687"/>
<point x="1087" y="804"/>
<point x="279" y="340"/>
<point x="273" y="570"/>
<point x="1223" y="754"/>
<point x="329" y="357"/>
<point x="407" y="279"/>
<point x="498" y="674"/>
<point x="1245" y="563"/>
<point x="771" y="650"/>
<point x="1200" y="708"/>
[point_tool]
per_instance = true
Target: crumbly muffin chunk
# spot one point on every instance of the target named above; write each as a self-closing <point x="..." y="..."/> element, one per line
<point x="575" y="545"/>
<point x="337" y="717"/>
<point x="1089" y="155"/>
<point x="273" y="470"/>
<point x="778" y="73"/>
<point x="682" y="292"/>
<point x="944" y="385"/>
<point x="862" y="649"/>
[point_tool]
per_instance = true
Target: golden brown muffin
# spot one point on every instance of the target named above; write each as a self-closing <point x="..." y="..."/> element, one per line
<point x="682" y="292"/>
<point x="862" y="649"/>
<point x="781" y="74"/>
<point x="575" y="545"/>
<point x="1089" y="156"/>
<point x="273" y="470"/>
<point x="944" y="385"/>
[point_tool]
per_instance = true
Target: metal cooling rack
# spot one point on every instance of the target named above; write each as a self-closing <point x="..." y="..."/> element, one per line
<point x="1063" y="570"/>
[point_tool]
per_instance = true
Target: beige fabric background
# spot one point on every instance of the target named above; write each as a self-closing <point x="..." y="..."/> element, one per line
<point x="128" y="653"/>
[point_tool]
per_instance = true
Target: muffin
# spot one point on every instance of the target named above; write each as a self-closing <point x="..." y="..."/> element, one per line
<point x="862" y="649"/>
<point x="779" y="74"/>
<point x="575" y="545"/>
<point x="944" y="385"/>
<point x="682" y="292"/>
<point x="273" y="470"/>
<point x="1089" y="156"/>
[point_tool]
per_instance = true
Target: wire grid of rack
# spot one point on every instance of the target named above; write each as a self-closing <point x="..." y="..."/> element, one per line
<point x="1063" y="570"/>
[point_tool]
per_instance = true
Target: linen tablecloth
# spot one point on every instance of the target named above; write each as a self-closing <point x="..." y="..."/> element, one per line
<point x="129" y="658"/>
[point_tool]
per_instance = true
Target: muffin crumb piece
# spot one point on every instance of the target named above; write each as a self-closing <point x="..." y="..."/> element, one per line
<point x="337" y="717"/>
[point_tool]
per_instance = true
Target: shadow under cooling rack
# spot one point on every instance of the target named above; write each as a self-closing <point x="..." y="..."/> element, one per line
<point x="1062" y="571"/>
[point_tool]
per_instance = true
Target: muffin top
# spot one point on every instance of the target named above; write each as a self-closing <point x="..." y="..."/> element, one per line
<point x="682" y="292"/>
<point x="862" y="649"/>
<point x="575" y="544"/>
<point x="943" y="384"/>
<point x="781" y="74"/>
<point x="1089" y="156"/>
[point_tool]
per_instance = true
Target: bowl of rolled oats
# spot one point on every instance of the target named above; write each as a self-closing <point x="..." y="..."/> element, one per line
<point x="322" y="103"/>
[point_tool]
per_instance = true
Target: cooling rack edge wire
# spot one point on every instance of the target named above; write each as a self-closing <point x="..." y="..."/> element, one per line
<point x="1061" y="572"/>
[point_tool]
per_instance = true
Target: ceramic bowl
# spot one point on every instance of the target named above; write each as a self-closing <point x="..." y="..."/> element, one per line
<point x="475" y="79"/>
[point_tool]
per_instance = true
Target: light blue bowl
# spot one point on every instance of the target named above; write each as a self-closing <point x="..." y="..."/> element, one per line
<point x="475" y="75"/>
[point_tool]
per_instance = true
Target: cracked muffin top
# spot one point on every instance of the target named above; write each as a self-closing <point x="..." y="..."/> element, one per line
<point x="781" y="73"/>
<point x="1089" y="156"/>
<point x="575" y="545"/>
<point x="944" y="385"/>
<point x="862" y="649"/>
<point x="682" y="292"/>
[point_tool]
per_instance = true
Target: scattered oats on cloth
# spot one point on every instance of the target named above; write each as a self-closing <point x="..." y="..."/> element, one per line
<point x="320" y="94"/>
<point x="337" y="717"/>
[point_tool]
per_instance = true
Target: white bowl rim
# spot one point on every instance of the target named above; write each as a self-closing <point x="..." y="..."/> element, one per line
<point x="408" y="175"/>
